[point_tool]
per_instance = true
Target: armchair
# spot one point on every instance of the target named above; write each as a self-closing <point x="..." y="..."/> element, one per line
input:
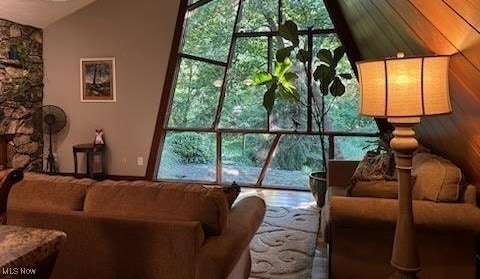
<point x="359" y="231"/>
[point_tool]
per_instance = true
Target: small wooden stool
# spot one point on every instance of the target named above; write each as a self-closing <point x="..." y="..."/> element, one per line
<point x="91" y="150"/>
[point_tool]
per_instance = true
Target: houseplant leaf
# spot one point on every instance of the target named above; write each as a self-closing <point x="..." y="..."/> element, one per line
<point x="304" y="55"/>
<point x="291" y="76"/>
<point x="325" y="76"/>
<point x="346" y="76"/>
<point x="289" y="31"/>
<point x="283" y="53"/>
<point x="324" y="55"/>
<point x="337" y="88"/>
<point x="282" y="67"/>
<point x="262" y="78"/>
<point x="288" y="90"/>
<point x="269" y="98"/>
<point x="338" y="54"/>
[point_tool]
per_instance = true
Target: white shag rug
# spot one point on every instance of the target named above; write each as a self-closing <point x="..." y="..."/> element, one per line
<point x="284" y="245"/>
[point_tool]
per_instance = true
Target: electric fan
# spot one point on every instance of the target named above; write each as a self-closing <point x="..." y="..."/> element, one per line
<point x="53" y="121"/>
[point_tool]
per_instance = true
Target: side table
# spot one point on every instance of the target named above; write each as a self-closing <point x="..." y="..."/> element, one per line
<point x="28" y="252"/>
<point x="91" y="151"/>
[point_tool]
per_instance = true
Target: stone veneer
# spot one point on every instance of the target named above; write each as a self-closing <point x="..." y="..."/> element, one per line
<point x="21" y="93"/>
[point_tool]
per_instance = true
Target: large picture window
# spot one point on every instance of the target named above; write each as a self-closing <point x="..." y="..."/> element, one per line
<point x="216" y="129"/>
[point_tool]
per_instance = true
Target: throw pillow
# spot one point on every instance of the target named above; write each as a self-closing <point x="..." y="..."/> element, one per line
<point x="436" y="179"/>
<point x="379" y="168"/>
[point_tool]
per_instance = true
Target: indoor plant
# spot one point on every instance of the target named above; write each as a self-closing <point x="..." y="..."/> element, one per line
<point x="280" y="84"/>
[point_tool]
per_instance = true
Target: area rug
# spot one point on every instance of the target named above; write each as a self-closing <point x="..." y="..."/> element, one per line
<point x="284" y="245"/>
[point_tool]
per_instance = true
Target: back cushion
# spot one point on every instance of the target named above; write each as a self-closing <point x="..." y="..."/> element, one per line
<point x="165" y="200"/>
<point x="44" y="192"/>
<point x="436" y="179"/>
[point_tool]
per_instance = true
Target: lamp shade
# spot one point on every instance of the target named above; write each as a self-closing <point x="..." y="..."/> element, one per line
<point x="404" y="87"/>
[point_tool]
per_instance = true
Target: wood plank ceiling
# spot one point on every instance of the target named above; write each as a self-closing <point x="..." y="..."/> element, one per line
<point x="419" y="27"/>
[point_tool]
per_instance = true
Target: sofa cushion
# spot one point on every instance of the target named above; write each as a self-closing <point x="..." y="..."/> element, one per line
<point x="371" y="175"/>
<point x="385" y="189"/>
<point x="165" y="200"/>
<point x="436" y="179"/>
<point x="45" y="192"/>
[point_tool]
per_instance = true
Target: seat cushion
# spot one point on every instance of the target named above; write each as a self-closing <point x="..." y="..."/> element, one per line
<point x="436" y="179"/>
<point x="45" y="192"/>
<point x="385" y="189"/>
<point x="160" y="201"/>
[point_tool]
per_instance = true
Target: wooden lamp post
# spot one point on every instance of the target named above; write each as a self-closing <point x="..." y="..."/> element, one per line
<point x="403" y="89"/>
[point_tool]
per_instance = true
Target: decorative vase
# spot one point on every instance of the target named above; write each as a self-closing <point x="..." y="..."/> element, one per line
<point x="318" y="186"/>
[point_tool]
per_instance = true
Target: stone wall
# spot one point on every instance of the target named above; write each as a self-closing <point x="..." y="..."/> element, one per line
<point x="21" y="93"/>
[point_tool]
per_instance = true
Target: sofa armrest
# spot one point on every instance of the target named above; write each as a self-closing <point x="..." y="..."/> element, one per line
<point x="7" y="179"/>
<point x="382" y="213"/>
<point x="470" y="195"/>
<point x="111" y="247"/>
<point x="340" y="172"/>
<point x="219" y="255"/>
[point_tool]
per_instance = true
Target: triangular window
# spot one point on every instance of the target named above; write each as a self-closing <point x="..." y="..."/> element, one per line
<point x="216" y="129"/>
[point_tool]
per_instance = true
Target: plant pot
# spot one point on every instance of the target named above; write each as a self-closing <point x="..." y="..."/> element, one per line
<point x="318" y="186"/>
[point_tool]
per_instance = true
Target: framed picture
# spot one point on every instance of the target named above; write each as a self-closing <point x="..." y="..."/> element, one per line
<point x="97" y="78"/>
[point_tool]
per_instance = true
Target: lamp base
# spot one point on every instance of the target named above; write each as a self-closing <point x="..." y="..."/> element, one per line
<point x="405" y="258"/>
<point x="403" y="275"/>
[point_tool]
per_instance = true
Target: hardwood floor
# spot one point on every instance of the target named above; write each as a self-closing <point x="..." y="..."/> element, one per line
<point x="280" y="197"/>
<point x="294" y="199"/>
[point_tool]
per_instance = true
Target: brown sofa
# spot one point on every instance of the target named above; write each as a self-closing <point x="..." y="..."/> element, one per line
<point x="139" y="229"/>
<point x="360" y="230"/>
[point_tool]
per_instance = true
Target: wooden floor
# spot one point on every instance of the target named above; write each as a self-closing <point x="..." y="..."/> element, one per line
<point x="280" y="197"/>
<point x="294" y="199"/>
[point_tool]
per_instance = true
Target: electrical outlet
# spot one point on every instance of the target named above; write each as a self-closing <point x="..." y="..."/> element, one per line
<point x="139" y="161"/>
<point x="124" y="160"/>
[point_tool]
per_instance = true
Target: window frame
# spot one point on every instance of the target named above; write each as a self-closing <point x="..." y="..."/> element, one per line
<point x="176" y="58"/>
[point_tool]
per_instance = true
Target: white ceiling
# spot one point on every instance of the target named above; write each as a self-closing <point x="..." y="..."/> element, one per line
<point x="39" y="13"/>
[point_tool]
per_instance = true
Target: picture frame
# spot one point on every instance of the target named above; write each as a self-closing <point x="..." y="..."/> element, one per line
<point x="97" y="80"/>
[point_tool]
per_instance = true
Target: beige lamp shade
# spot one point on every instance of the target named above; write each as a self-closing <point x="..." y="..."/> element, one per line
<point x="404" y="87"/>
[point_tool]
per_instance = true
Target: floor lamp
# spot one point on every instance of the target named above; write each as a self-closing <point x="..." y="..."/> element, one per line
<point x="403" y="89"/>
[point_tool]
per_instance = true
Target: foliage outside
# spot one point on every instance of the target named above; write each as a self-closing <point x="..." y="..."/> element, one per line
<point x="198" y="85"/>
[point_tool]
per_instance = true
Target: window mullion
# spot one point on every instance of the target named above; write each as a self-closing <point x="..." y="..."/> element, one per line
<point x="198" y="4"/>
<point x="218" y="165"/>
<point x="268" y="160"/>
<point x="269" y="67"/>
<point x="222" y="94"/>
<point x="202" y="59"/>
<point x="227" y="68"/>
<point x="280" y="14"/>
<point x="309" y="82"/>
<point x="276" y="33"/>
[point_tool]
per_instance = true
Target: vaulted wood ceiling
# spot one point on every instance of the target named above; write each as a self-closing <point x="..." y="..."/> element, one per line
<point x="419" y="27"/>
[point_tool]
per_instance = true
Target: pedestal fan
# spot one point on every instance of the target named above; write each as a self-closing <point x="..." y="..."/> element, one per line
<point x="53" y="121"/>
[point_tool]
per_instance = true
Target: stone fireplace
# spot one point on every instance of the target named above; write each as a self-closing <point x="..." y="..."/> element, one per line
<point x="21" y="93"/>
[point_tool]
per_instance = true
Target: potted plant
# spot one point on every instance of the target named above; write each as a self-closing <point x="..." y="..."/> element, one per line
<point x="280" y="84"/>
